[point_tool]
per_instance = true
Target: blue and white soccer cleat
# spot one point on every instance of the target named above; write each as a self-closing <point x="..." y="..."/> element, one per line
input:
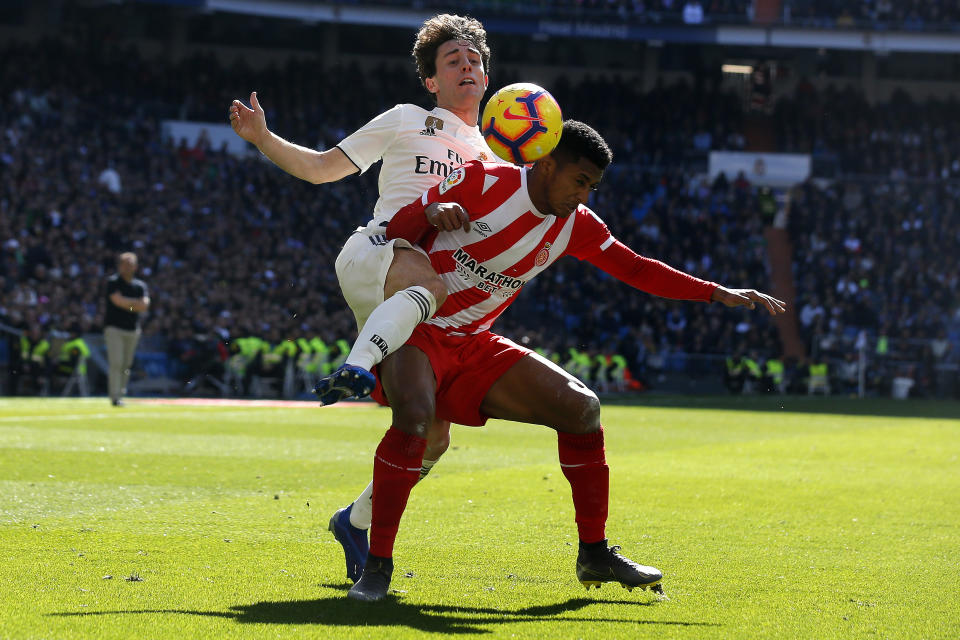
<point x="352" y="539"/>
<point x="348" y="381"/>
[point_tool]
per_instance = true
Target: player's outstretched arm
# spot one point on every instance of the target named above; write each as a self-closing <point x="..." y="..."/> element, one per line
<point x="662" y="280"/>
<point x="748" y="298"/>
<point x="316" y="167"/>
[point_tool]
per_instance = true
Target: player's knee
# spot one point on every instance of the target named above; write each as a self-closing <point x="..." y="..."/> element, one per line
<point x="413" y="417"/>
<point x="590" y="413"/>
<point x="583" y="416"/>
<point x="436" y="288"/>
<point x="438" y="441"/>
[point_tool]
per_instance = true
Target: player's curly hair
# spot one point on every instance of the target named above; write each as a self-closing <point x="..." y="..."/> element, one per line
<point x="441" y="28"/>
<point x="580" y="140"/>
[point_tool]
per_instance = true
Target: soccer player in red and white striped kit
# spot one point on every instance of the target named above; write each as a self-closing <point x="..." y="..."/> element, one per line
<point x="487" y="230"/>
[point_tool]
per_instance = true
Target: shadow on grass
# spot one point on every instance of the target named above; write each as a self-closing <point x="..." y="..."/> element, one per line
<point x="916" y="408"/>
<point x="392" y="612"/>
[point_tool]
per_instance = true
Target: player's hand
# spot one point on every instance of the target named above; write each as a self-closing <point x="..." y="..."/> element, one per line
<point x="748" y="298"/>
<point x="249" y="124"/>
<point x="447" y="216"/>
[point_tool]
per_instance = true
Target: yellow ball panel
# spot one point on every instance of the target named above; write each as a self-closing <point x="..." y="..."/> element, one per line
<point x="513" y="122"/>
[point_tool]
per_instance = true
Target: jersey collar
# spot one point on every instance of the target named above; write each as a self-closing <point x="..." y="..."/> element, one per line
<point x="524" y="172"/>
<point x="450" y="116"/>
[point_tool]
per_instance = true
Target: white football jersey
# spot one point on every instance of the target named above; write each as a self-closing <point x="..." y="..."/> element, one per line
<point x="419" y="148"/>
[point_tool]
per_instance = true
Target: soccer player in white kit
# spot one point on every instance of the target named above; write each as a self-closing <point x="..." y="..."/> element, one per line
<point x="390" y="286"/>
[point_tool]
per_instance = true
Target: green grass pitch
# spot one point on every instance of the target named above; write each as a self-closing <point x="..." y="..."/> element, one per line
<point x="793" y="518"/>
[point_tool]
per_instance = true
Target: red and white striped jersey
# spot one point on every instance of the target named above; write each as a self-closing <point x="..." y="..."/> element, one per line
<point x="510" y="243"/>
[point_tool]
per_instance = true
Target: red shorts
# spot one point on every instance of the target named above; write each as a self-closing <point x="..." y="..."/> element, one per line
<point x="465" y="368"/>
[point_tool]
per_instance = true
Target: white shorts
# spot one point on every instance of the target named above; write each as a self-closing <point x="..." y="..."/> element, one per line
<point x="362" y="268"/>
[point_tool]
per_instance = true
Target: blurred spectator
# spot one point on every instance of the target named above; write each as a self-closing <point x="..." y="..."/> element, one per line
<point x="126" y="298"/>
<point x="71" y="364"/>
<point x="36" y="363"/>
<point x="693" y="12"/>
<point x="110" y="179"/>
<point x="849" y="373"/>
<point x="735" y="374"/>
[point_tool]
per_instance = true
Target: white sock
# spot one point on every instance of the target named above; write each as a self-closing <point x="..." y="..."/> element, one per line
<point x="426" y="466"/>
<point x="390" y="325"/>
<point x="362" y="511"/>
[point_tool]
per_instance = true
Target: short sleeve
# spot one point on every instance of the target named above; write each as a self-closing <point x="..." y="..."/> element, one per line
<point x="366" y="145"/>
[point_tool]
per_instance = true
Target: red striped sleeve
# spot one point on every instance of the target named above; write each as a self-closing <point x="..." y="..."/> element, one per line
<point x="651" y="275"/>
<point x="463" y="184"/>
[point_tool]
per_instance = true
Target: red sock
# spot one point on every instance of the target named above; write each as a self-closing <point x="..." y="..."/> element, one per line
<point x="584" y="464"/>
<point x="396" y="468"/>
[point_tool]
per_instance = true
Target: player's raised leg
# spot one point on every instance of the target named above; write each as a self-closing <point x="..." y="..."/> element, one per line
<point x="537" y="391"/>
<point x="412" y="291"/>
<point x="410" y="387"/>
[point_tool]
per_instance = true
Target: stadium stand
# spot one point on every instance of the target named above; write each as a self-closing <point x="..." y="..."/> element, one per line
<point x="233" y="248"/>
<point x="915" y="15"/>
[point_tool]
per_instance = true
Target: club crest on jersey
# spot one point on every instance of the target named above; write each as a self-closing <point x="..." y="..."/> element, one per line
<point x="453" y="180"/>
<point x="430" y="126"/>
<point x="482" y="157"/>
<point x="542" y="256"/>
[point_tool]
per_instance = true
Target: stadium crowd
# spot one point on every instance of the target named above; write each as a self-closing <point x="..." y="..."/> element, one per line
<point x="880" y="14"/>
<point x="233" y="248"/>
<point x="655" y="11"/>
<point x="843" y="14"/>
<point x="897" y="139"/>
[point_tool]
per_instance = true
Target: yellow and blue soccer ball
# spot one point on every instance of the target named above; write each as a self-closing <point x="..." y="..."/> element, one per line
<point x="522" y="123"/>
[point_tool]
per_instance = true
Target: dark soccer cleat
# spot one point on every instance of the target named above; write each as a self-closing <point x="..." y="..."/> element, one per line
<point x="348" y="381"/>
<point x="352" y="539"/>
<point x="375" y="581"/>
<point x="598" y="564"/>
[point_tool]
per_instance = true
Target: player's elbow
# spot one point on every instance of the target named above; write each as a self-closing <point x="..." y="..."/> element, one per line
<point x="317" y="177"/>
<point x="329" y="166"/>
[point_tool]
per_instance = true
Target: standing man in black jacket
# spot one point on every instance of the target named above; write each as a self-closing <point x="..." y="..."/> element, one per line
<point x="127" y="298"/>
